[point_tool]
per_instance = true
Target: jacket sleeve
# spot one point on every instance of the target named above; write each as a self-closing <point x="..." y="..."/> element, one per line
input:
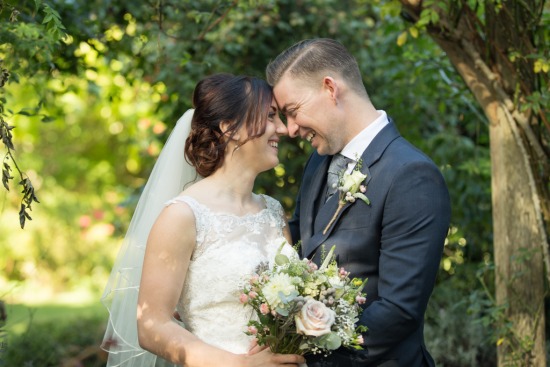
<point x="414" y="225"/>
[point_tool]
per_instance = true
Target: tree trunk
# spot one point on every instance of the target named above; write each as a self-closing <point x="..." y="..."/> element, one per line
<point x="518" y="260"/>
<point x="518" y="241"/>
<point x="519" y="200"/>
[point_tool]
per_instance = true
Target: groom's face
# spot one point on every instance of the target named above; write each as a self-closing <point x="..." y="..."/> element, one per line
<point x="309" y="112"/>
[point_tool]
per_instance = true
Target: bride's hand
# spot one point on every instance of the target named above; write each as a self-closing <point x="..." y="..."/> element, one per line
<point x="263" y="357"/>
<point x="255" y="348"/>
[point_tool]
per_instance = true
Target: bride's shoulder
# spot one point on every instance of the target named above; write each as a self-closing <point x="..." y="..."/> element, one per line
<point x="175" y="216"/>
<point x="184" y="203"/>
<point x="190" y="196"/>
<point x="271" y="203"/>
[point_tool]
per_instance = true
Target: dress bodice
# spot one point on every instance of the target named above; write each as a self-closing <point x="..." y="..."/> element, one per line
<point x="228" y="249"/>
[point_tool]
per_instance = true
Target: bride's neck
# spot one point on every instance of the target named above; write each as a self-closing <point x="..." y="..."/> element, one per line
<point x="233" y="184"/>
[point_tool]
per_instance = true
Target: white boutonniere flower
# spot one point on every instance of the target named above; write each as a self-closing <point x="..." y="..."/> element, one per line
<point x="350" y="188"/>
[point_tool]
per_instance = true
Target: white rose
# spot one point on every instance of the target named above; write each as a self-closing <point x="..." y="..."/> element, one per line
<point x="353" y="181"/>
<point x="314" y="319"/>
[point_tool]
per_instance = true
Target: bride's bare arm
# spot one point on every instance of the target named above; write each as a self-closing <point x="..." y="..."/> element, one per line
<point x="167" y="258"/>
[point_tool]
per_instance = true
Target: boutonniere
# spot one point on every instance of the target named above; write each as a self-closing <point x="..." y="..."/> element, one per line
<point x="350" y="188"/>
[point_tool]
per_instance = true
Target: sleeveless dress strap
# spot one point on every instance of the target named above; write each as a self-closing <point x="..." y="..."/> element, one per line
<point x="201" y="217"/>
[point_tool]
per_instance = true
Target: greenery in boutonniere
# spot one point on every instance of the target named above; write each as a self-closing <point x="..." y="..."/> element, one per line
<point x="350" y="188"/>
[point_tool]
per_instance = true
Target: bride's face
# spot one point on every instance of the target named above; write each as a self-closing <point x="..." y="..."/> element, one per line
<point x="262" y="152"/>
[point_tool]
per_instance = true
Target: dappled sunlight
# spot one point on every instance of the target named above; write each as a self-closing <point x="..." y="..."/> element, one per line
<point x="92" y="110"/>
<point x="97" y="232"/>
<point x="25" y="309"/>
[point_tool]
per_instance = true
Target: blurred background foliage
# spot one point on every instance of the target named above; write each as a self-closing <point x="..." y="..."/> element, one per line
<point x="94" y="94"/>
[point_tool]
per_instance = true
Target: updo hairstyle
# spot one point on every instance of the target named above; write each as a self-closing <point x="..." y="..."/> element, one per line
<point x="237" y="100"/>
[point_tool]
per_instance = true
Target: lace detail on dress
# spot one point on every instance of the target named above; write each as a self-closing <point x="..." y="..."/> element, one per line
<point x="228" y="248"/>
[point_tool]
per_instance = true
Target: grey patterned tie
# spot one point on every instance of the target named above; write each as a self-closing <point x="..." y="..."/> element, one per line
<point x="337" y="166"/>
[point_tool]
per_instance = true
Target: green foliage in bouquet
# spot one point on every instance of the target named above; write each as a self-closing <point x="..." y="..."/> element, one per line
<point x="302" y="308"/>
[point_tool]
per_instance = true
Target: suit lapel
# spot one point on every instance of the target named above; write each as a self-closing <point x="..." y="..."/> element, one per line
<point x="321" y="219"/>
<point x="314" y="196"/>
<point x="379" y="144"/>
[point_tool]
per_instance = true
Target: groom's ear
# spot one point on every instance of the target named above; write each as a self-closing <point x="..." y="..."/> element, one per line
<point x="330" y="86"/>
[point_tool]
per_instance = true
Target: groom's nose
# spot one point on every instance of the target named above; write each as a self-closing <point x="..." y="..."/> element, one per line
<point x="292" y="127"/>
<point x="280" y="127"/>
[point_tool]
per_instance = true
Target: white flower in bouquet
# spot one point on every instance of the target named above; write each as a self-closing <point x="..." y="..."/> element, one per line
<point x="278" y="289"/>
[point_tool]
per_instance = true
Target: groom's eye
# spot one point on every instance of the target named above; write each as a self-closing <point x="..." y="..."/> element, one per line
<point x="282" y="116"/>
<point x="291" y="112"/>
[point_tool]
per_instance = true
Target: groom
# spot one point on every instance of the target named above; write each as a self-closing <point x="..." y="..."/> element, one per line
<point x="396" y="241"/>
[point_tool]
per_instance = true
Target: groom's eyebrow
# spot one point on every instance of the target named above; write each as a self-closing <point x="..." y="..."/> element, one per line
<point x="285" y="108"/>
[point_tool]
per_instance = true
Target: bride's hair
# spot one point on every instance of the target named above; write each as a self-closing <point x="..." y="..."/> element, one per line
<point x="235" y="100"/>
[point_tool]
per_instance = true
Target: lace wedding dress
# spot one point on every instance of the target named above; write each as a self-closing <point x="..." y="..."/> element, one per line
<point x="228" y="249"/>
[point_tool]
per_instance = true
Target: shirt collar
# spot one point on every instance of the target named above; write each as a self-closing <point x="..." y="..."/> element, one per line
<point x="355" y="148"/>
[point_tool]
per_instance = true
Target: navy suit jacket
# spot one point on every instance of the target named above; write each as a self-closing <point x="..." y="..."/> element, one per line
<point x="396" y="242"/>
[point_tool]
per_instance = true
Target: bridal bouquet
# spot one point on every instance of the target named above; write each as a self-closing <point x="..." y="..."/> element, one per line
<point x="304" y="309"/>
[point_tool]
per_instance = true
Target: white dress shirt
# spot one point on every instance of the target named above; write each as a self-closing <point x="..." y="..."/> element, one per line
<point x="355" y="148"/>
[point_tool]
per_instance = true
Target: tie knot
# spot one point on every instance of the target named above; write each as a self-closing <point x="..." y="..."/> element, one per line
<point x="337" y="167"/>
<point x="339" y="163"/>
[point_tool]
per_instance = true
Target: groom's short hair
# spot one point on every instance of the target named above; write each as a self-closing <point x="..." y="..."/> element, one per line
<point x="312" y="59"/>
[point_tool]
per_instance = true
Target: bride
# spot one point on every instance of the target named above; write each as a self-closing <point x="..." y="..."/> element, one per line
<point x="190" y="251"/>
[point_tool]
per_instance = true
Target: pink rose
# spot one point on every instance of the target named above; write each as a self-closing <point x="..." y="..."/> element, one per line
<point x="312" y="265"/>
<point x="360" y="300"/>
<point x="252" y="330"/>
<point x="254" y="279"/>
<point x="264" y="309"/>
<point x="360" y="339"/>
<point x="243" y="298"/>
<point x="314" y="319"/>
<point x="252" y="294"/>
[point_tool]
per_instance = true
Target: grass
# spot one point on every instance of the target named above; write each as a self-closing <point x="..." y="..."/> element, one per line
<point x="32" y="304"/>
<point x="61" y="330"/>
<point x="21" y="315"/>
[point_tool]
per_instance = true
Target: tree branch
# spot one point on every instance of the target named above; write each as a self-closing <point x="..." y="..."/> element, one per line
<point x="217" y="21"/>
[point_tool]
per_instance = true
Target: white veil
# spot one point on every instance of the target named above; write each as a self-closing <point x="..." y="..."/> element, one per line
<point x="170" y="174"/>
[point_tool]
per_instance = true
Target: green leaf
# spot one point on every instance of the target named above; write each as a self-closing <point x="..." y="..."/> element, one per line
<point x="361" y="196"/>
<point x="401" y="39"/>
<point x="328" y="259"/>
<point x="281" y="259"/>
<point x="281" y="311"/>
<point x="413" y="31"/>
<point x="48" y="119"/>
<point x="329" y="341"/>
<point x="47" y="18"/>
<point x="37" y="4"/>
